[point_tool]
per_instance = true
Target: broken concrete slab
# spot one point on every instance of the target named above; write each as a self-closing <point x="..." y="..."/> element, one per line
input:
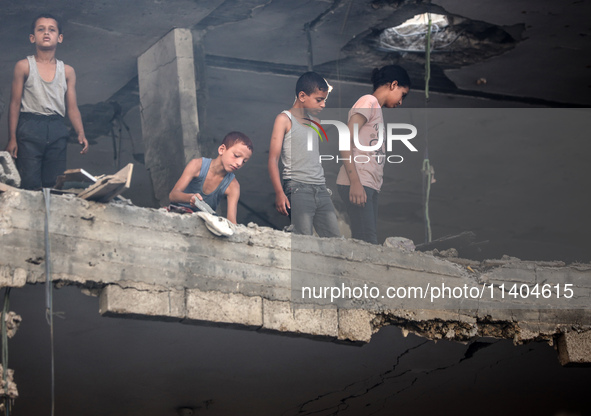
<point x="355" y="324"/>
<point x="574" y="348"/>
<point x="217" y="308"/>
<point x="160" y="265"/>
<point x="12" y="277"/>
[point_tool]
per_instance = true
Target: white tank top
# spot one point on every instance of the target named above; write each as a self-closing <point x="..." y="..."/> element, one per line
<point x="41" y="97"/>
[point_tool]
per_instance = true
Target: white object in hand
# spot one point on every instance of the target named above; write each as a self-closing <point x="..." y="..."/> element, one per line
<point x="218" y="225"/>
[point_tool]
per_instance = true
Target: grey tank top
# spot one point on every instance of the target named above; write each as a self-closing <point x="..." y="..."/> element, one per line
<point x="299" y="163"/>
<point x="41" y="97"/>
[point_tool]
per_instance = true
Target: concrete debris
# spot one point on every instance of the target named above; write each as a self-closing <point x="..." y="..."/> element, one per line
<point x="450" y="252"/>
<point x="13" y="321"/>
<point x="401" y="243"/>
<point x="10" y="277"/>
<point x="8" y="386"/>
<point x="8" y="172"/>
<point x="574" y="348"/>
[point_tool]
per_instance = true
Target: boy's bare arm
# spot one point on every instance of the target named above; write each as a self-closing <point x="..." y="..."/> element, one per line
<point x="21" y="71"/>
<point x="280" y="127"/>
<point x="191" y="171"/>
<point x="72" y="108"/>
<point x="357" y="194"/>
<point x="233" y="195"/>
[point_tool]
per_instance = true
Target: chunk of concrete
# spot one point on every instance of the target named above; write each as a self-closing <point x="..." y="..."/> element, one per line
<point x="12" y="278"/>
<point x="574" y="348"/>
<point x="355" y="325"/>
<point x="8" y="172"/>
<point x="150" y="259"/>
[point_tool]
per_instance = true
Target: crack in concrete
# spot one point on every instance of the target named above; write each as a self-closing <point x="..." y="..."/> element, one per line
<point x="157" y="68"/>
<point x="468" y="354"/>
<point x="382" y="378"/>
<point x="132" y="286"/>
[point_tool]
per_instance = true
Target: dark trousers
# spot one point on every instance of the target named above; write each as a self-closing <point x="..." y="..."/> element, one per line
<point x="363" y="219"/>
<point x="41" y="155"/>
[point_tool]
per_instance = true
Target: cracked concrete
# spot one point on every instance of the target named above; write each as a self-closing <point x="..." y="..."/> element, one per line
<point x="406" y="378"/>
<point x="336" y="402"/>
<point x="153" y="264"/>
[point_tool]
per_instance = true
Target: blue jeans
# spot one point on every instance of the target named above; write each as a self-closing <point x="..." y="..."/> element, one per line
<point x="363" y="219"/>
<point x="311" y="208"/>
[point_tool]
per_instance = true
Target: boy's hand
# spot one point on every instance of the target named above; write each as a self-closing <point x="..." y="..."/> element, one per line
<point x="357" y="194"/>
<point x="84" y="143"/>
<point x="194" y="197"/>
<point x="282" y="204"/>
<point x="12" y="148"/>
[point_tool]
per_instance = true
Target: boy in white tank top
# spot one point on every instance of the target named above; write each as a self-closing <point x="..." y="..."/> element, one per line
<point x="43" y="93"/>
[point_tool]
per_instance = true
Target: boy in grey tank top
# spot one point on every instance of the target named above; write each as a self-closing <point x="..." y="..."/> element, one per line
<point x="303" y="194"/>
<point x="43" y="93"/>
